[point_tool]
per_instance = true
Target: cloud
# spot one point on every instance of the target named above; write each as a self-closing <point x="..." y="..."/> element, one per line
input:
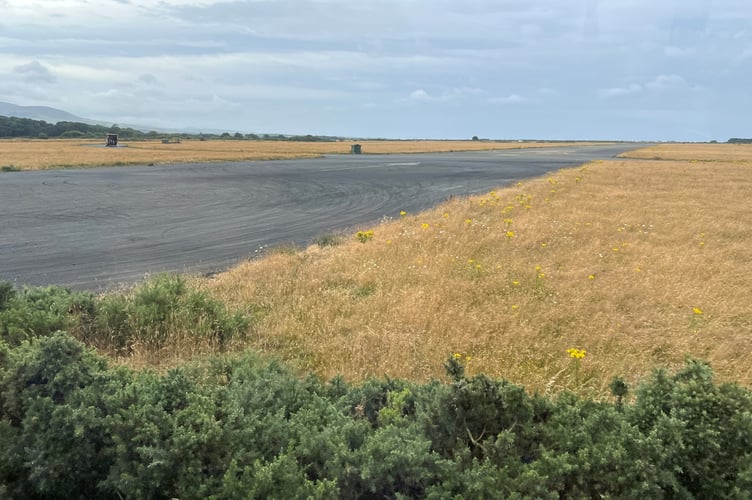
<point x="148" y="79"/>
<point x="666" y="82"/>
<point x="294" y="64"/>
<point x="634" y="88"/>
<point x="661" y="83"/>
<point x="420" y="95"/>
<point x="510" y="99"/>
<point x="671" y="51"/>
<point x="35" y="72"/>
<point x="451" y="94"/>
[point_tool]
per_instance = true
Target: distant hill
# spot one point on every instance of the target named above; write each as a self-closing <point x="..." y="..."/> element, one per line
<point x="50" y="115"/>
<point x="54" y="115"/>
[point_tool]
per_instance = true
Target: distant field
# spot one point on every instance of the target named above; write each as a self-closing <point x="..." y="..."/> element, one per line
<point x="46" y="154"/>
<point x="695" y="152"/>
<point x="639" y="263"/>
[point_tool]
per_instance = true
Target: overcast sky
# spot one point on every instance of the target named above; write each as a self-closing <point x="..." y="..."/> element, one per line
<point x="551" y="69"/>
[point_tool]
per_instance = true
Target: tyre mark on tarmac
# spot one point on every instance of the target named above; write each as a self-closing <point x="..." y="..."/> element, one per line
<point x="97" y="228"/>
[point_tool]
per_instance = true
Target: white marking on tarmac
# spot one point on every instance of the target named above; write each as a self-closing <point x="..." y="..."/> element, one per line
<point x="406" y="164"/>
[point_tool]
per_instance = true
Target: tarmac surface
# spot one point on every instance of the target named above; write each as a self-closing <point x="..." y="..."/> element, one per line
<point x="99" y="228"/>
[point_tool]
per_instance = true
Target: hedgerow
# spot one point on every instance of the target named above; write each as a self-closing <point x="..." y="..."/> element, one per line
<point x="245" y="427"/>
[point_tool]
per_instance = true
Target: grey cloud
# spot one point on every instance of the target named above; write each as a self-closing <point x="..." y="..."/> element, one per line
<point x="35" y="72"/>
<point x="292" y="63"/>
<point x="148" y="79"/>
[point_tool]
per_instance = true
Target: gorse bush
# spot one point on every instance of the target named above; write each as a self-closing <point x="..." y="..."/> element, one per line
<point x="71" y="426"/>
<point x="39" y="312"/>
<point x="164" y="308"/>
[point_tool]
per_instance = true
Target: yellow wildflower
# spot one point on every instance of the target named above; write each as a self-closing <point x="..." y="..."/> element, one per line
<point x="576" y="353"/>
<point x="364" y="236"/>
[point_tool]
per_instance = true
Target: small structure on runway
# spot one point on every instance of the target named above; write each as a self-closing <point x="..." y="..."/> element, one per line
<point x="111" y="140"/>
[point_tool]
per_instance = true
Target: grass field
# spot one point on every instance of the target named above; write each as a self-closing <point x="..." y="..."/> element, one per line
<point x="638" y="263"/>
<point x="740" y="153"/>
<point x="45" y="154"/>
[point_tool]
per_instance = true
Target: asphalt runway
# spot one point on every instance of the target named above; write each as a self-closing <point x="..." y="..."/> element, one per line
<point x="99" y="228"/>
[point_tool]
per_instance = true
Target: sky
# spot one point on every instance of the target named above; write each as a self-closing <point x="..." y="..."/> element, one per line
<point x="500" y="69"/>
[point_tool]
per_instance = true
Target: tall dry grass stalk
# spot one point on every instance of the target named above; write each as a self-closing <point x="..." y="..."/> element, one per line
<point x="640" y="263"/>
<point x="45" y="154"/>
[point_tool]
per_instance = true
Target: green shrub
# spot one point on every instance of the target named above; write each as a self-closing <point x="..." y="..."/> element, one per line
<point x="705" y="430"/>
<point x="73" y="427"/>
<point x="162" y="308"/>
<point x="39" y="312"/>
<point x="327" y="240"/>
<point x="470" y="414"/>
<point x="52" y="420"/>
<point x="7" y="292"/>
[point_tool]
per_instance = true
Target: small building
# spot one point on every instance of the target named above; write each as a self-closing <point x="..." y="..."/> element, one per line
<point x="111" y="140"/>
<point x="355" y="149"/>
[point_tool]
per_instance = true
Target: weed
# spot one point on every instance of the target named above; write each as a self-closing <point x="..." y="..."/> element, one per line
<point x="327" y="240"/>
<point x="363" y="236"/>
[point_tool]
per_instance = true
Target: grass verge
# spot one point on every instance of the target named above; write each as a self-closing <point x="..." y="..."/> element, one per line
<point x="47" y="154"/>
<point x="637" y="263"/>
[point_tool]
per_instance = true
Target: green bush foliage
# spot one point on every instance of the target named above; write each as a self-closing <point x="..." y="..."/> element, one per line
<point x="244" y="427"/>
<point x="38" y="312"/>
<point x="156" y="311"/>
<point x="161" y="308"/>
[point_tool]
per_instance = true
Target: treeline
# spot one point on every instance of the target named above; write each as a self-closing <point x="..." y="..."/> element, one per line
<point x="24" y="127"/>
<point x="14" y="127"/>
<point x="736" y="140"/>
<point x="73" y="426"/>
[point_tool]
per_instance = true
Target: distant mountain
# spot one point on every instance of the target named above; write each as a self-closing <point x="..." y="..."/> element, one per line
<point x="50" y="115"/>
<point x="54" y="115"/>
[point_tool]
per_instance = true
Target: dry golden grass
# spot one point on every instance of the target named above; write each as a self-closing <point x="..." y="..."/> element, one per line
<point x="45" y="154"/>
<point x="640" y="263"/>
<point x="695" y="152"/>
